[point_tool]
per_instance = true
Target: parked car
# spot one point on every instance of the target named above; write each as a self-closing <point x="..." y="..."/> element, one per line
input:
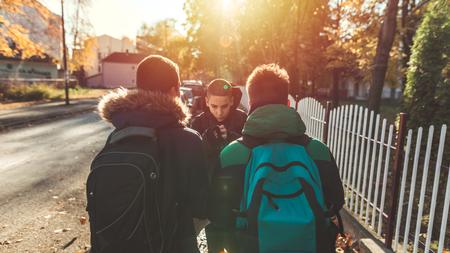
<point x="196" y="86"/>
<point x="187" y="96"/>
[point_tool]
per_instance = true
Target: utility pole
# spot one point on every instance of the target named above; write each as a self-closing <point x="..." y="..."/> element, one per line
<point x="66" y="76"/>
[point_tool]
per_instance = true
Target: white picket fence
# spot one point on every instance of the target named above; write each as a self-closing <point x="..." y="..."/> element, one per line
<point x="364" y="145"/>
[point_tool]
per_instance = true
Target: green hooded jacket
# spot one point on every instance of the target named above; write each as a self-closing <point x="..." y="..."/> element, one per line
<point x="270" y="122"/>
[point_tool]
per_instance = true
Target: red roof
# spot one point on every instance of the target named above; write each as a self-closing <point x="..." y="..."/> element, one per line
<point x="124" y="57"/>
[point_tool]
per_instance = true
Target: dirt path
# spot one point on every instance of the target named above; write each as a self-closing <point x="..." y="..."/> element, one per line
<point x="61" y="227"/>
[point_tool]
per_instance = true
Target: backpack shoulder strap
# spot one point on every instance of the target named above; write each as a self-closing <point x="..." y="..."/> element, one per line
<point x="132" y="131"/>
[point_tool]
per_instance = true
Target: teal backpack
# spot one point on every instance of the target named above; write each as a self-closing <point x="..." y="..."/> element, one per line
<point x="282" y="207"/>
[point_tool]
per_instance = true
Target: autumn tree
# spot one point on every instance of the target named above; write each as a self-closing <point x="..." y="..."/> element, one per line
<point x="164" y="39"/>
<point x="80" y="31"/>
<point x="352" y="34"/>
<point x="231" y="40"/>
<point x="15" y="41"/>
<point x="156" y="37"/>
<point x="209" y="34"/>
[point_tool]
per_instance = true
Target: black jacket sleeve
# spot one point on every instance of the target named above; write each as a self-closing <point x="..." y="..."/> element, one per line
<point x="331" y="183"/>
<point x="196" y="124"/>
<point x="198" y="179"/>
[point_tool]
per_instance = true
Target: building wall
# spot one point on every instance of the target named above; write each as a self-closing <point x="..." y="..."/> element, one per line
<point x="95" y="81"/>
<point x="24" y="69"/>
<point x="364" y="89"/>
<point x="119" y="74"/>
<point x="105" y="45"/>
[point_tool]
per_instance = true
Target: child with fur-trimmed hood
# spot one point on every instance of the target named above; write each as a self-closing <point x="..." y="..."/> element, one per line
<point x="156" y="104"/>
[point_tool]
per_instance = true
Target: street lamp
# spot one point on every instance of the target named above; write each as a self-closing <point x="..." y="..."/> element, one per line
<point x="66" y="81"/>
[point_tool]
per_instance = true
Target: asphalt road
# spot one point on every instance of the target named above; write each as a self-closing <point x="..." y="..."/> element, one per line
<point x="42" y="163"/>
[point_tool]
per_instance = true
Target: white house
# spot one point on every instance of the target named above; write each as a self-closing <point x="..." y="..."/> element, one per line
<point x="117" y="70"/>
<point x="103" y="46"/>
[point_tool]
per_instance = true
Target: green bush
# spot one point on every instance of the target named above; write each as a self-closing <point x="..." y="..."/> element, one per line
<point x="23" y="92"/>
<point x="427" y="92"/>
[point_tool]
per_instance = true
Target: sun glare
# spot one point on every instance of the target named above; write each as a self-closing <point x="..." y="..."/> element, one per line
<point x="231" y="5"/>
<point x="226" y="4"/>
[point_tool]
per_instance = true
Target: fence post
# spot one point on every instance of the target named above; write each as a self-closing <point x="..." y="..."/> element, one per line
<point x="327" y="122"/>
<point x="398" y="161"/>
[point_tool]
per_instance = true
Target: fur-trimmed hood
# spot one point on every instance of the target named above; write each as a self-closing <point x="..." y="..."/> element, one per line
<point x="122" y="102"/>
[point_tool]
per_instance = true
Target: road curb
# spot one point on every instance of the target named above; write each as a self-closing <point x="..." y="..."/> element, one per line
<point x="26" y="121"/>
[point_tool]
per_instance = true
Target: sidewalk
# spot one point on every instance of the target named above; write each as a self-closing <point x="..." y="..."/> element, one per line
<point x="36" y="113"/>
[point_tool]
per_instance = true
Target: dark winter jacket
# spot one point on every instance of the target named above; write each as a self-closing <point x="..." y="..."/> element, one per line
<point x="234" y="122"/>
<point x="179" y="147"/>
<point x="206" y="124"/>
<point x="271" y="122"/>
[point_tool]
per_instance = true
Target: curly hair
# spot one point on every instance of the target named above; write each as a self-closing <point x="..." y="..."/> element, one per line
<point x="268" y="84"/>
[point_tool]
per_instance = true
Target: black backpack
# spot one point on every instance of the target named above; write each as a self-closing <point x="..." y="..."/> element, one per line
<point x="124" y="196"/>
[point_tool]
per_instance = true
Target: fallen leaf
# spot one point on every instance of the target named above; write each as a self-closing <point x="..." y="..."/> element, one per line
<point x="83" y="220"/>
<point x="6" y="242"/>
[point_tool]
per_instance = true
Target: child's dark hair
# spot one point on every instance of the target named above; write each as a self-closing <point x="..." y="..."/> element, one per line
<point x="157" y="73"/>
<point x="219" y="87"/>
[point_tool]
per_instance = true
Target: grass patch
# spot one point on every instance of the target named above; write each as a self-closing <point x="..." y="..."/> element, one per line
<point x="79" y="92"/>
<point x="26" y="92"/>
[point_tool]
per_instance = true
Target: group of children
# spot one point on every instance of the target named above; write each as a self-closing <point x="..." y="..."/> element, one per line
<point x="262" y="183"/>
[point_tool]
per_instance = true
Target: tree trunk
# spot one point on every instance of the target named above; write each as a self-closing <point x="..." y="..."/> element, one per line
<point x="335" y="88"/>
<point x="405" y="43"/>
<point x="393" y="93"/>
<point x="385" y="41"/>
<point x="294" y="86"/>
<point x="356" y="88"/>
